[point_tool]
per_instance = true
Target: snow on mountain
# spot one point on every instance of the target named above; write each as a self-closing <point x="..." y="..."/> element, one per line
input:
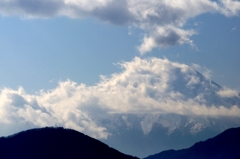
<point x="146" y="134"/>
<point x="151" y="105"/>
<point x="148" y="122"/>
<point x="154" y="132"/>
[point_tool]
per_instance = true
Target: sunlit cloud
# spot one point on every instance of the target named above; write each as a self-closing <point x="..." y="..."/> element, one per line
<point x="19" y="111"/>
<point x="144" y="86"/>
<point x="162" y="21"/>
<point x="230" y="7"/>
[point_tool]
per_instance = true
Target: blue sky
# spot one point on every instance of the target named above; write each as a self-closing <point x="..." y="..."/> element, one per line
<point x="36" y="50"/>
<point x="49" y="45"/>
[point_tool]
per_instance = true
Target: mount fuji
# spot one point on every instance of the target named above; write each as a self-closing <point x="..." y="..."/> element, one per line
<point x="150" y="106"/>
<point x="148" y="133"/>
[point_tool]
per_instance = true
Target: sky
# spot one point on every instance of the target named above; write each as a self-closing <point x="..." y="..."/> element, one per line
<point x="70" y="51"/>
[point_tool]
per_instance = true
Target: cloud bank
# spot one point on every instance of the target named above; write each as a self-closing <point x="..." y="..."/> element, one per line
<point x="155" y="86"/>
<point x="162" y="21"/>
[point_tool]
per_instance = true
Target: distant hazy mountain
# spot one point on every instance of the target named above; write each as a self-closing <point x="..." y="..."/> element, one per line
<point x="163" y="132"/>
<point x="55" y="143"/>
<point x="223" y="146"/>
<point x="144" y="134"/>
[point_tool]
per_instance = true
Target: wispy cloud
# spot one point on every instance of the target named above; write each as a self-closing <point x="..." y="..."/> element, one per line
<point x="163" y="21"/>
<point x="234" y="28"/>
<point x="228" y="93"/>
<point x="205" y="71"/>
<point x="153" y="85"/>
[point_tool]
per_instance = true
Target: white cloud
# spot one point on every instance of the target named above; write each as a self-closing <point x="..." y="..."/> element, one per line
<point x="228" y="93"/>
<point x="164" y="37"/>
<point x="144" y="86"/>
<point x="230" y="7"/>
<point x="19" y="111"/>
<point x="163" y="21"/>
<point x="205" y="71"/>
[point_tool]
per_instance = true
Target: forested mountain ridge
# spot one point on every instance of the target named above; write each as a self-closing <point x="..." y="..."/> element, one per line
<point x="55" y="143"/>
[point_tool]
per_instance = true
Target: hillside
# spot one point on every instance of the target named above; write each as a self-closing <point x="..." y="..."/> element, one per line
<point x="55" y="143"/>
<point x="224" y="146"/>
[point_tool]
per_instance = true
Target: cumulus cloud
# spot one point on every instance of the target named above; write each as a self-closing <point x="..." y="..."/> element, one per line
<point x="162" y="21"/>
<point x="164" y="37"/>
<point x="19" y="111"/>
<point x="155" y="86"/>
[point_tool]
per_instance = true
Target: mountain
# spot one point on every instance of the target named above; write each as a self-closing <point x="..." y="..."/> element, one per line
<point x="224" y="145"/>
<point x="146" y="134"/>
<point x="55" y="143"/>
<point x="149" y="133"/>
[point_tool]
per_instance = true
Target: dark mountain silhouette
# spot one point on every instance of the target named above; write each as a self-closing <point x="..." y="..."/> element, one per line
<point x="56" y="143"/>
<point x="224" y="146"/>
